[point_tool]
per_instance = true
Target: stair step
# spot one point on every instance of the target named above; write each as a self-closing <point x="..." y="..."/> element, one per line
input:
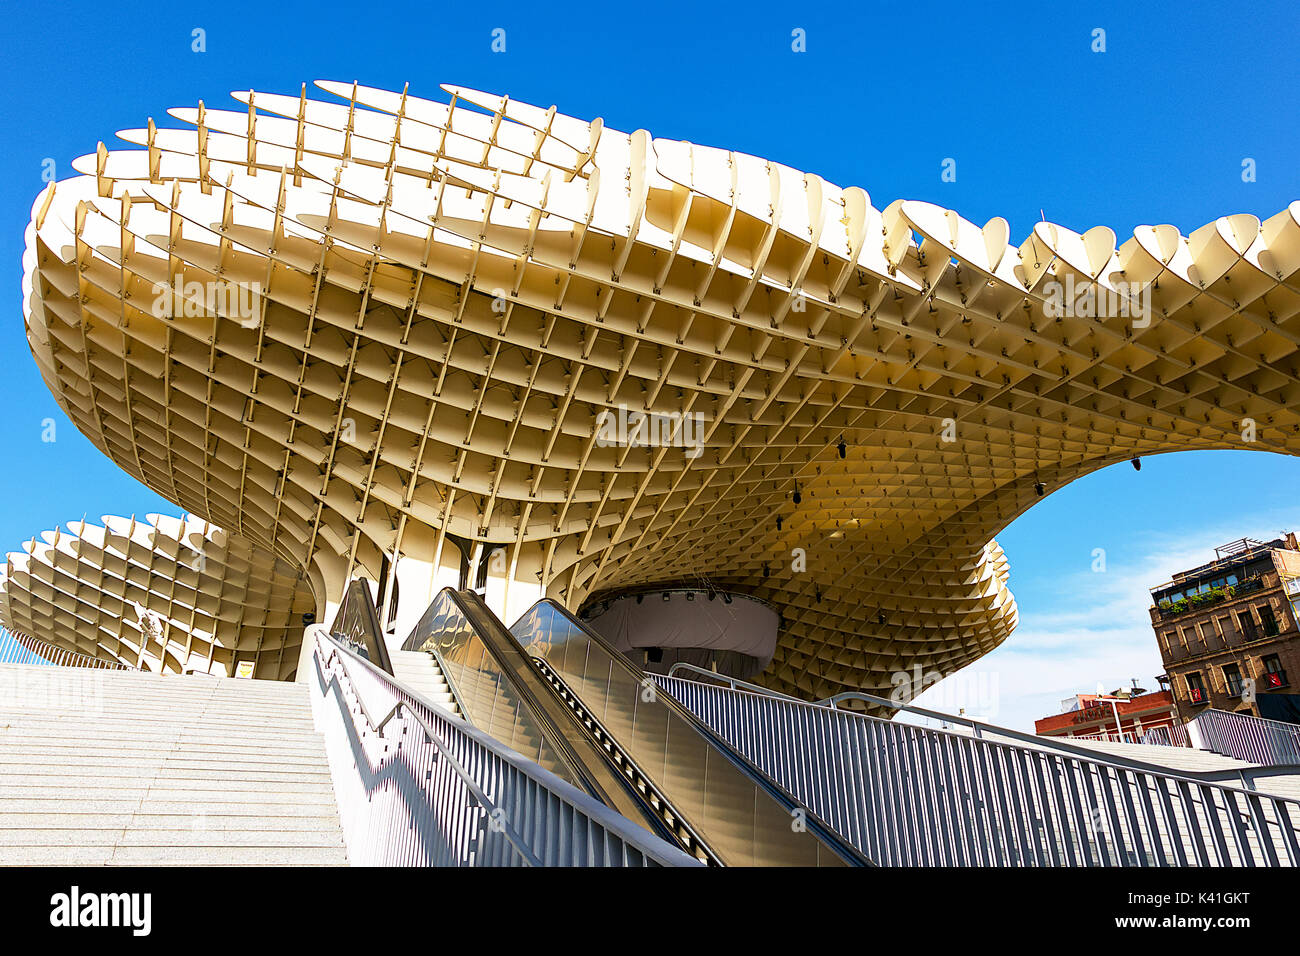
<point x="133" y="769"/>
<point x="220" y="803"/>
<point x="172" y="856"/>
<point x="93" y="730"/>
<point x="72" y="705"/>
<point x="163" y="780"/>
<point x="36" y="749"/>
<point x="90" y="683"/>
<point x="18" y="774"/>
<point x="214" y="818"/>
<point x="149" y="836"/>
<point x="418" y="673"/>
<point x="162" y="799"/>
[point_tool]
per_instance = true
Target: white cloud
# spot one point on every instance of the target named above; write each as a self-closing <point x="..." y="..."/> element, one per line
<point x="1086" y="628"/>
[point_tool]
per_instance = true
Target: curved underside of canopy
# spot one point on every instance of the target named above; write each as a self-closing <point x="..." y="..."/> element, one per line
<point x="387" y="326"/>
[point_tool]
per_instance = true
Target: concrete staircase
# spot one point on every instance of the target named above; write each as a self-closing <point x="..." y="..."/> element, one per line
<point x="125" y="768"/>
<point x="418" y="671"/>
<point x="494" y="709"/>
<point x="1177" y="759"/>
<point x="1190" y="760"/>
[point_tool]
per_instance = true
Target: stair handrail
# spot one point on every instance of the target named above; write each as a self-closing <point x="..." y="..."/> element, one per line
<point x="431" y="735"/>
<point x="1247" y="737"/>
<point x="1245" y="808"/>
<point x="624" y="830"/>
<point x="1217" y="777"/>
<point x="50" y="653"/>
<point x="1282" y="725"/>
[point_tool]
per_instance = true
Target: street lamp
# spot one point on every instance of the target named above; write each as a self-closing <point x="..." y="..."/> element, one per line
<point x="1102" y="695"/>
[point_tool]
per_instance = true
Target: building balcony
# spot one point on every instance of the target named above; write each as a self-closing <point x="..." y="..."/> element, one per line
<point x="1275" y="680"/>
<point x="1197" y="602"/>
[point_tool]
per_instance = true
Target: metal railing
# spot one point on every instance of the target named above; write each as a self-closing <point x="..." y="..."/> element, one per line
<point x="1170" y="735"/>
<point x="1246" y="776"/>
<point x="915" y="796"/>
<point x="1246" y="737"/>
<point x="501" y="692"/>
<point x="742" y="815"/>
<point x="1104" y="736"/>
<point x="18" y="648"/>
<point x="419" y="787"/>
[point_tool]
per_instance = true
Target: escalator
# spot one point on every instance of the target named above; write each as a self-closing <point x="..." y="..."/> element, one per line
<point x="499" y="691"/>
<point x="557" y="693"/>
<point x="357" y="625"/>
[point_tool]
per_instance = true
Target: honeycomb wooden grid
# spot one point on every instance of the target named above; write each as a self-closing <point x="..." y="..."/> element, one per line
<point x="163" y="594"/>
<point x="448" y="296"/>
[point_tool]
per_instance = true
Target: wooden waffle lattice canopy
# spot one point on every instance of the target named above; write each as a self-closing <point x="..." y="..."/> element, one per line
<point x="443" y="302"/>
<point x="164" y="594"/>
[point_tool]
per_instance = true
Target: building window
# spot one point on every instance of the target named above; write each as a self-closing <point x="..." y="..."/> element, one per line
<point x="1247" y="622"/>
<point x="1196" y="689"/>
<point x="1232" y="678"/>
<point x="1267" y="618"/>
<point x="1274" y="675"/>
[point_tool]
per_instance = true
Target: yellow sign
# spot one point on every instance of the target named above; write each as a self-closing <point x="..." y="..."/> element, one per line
<point x="244" y="669"/>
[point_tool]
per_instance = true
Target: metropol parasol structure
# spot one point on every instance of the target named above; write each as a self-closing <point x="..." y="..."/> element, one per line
<point x="175" y="595"/>
<point x="384" y="336"/>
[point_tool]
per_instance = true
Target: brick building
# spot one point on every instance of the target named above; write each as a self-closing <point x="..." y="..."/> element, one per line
<point x="1093" y="715"/>
<point x="1227" y="630"/>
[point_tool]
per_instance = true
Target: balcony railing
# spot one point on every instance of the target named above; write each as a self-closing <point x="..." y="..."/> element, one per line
<point x="1198" y="602"/>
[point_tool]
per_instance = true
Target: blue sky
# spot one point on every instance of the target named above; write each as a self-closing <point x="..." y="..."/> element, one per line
<point x="1153" y="130"/>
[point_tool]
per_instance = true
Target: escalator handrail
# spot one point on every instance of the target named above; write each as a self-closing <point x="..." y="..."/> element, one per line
<point x="815" y="824"/>
<point x="358" y="591"/>
<point x="485" y="626"/>
<point x="560" y="684"/>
